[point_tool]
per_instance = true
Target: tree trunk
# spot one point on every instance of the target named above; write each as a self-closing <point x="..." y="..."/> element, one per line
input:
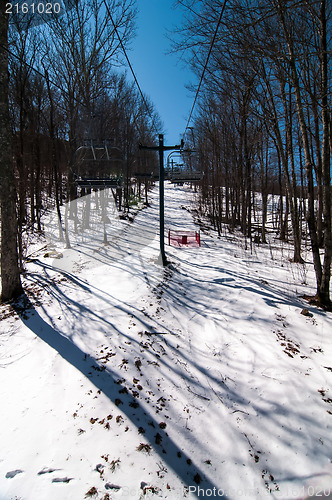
<point x="10" y="274"/>
<point x="308" y="163"/>
<point x="291" y="178"/>
<point x="324" y="290"/>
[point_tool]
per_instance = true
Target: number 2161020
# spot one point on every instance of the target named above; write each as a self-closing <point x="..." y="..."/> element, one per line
<point x="33" y="8"/>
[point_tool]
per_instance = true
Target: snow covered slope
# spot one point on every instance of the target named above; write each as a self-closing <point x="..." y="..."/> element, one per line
<point x="126" y="380"/>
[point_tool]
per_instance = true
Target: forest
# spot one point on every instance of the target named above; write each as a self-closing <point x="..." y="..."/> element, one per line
<point x="262" y="124"/>
<point x="67" y="91"/>
<point x="264" y="119"/>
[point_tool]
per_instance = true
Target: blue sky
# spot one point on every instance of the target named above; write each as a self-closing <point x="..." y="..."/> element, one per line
<point x="162" y="77"/>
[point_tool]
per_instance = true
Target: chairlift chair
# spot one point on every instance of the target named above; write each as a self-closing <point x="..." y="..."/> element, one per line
<point x="182" y="176"/>
<point x="98" y="165"/>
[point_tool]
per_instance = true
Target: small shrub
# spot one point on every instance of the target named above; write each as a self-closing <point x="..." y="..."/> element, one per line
<point x="144" y="447"/>
<point x="92" y="491"/>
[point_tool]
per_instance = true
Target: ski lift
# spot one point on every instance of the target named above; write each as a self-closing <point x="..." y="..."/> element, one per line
<point x="147" y="166"/>
<point x="185" y="176"/>
<point x="177" y="173"/>
<point x="98" y="165"/>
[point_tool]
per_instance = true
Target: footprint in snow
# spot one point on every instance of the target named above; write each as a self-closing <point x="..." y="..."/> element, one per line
<point x="109" y="486"/>
<point x="13" y="473"/>
<point x="46" y="470"/>
<point x="62" y="479"/>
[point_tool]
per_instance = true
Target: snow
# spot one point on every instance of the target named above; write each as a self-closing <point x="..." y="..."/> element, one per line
<point x="127" y="380"/>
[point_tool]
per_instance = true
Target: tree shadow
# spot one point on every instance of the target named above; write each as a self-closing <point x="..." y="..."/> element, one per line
<point x="235" y="395"/>
<point x="105" y="381"/>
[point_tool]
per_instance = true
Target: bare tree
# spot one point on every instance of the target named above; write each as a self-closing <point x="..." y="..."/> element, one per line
<point x="322" y="271"/>
<point x="273" y="59"/>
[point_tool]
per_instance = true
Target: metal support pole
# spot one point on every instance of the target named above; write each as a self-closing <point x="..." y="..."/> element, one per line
<point x="161" y="148"/>
<point x="161" y="201"/>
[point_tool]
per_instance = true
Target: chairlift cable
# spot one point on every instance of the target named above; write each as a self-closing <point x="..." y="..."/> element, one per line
<point x="206" y="63"/>
<point x="130" y="67"/>
<point x="43" y="75"/>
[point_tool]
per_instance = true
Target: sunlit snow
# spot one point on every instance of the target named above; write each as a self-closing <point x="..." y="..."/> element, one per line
<point x="126" y="380"/>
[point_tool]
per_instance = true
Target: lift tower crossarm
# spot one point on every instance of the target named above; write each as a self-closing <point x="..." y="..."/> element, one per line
<point x="161" y="148"/>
